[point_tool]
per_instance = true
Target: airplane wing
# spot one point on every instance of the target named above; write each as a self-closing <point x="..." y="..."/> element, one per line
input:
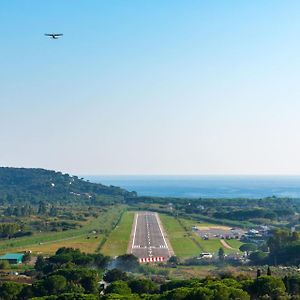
<point x="54" y="34"/>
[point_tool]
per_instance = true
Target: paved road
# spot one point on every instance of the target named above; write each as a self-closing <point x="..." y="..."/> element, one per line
<point x="148" y="238"/>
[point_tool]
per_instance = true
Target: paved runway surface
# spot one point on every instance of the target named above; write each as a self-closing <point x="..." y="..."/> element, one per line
<point x="148" y="238"/>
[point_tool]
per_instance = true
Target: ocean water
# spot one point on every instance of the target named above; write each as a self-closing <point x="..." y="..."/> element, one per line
<point x="206" y="186"/>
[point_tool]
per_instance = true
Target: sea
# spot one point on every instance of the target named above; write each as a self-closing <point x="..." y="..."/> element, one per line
<point x="205" y="186"/>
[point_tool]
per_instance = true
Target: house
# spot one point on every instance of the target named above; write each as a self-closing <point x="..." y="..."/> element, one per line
<point x="13" y="258"/>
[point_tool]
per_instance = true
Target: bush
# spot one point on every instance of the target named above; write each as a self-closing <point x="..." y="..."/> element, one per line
<point x="4" y="264"/>
<point x="114" y="275"/>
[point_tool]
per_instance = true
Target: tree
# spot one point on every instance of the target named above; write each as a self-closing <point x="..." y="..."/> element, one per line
<point x="8" y="229"/>
<point x="248" y="248"/>
<point x="76" y="296"/>
<point x="10" y="290"/>
<point x="269" y="273"/>
<point x="292" y="284"/>
<point x="179" y="294"/>
<point x="221" y="254"/>
<point x="123" y="297"/>
<point x="27" y="257"/>
<point x="55" y="284"/>
<point x="114" y="275"/>
<point x="174" y="260"/>
<point x="4" y="264"/>
<point x="40" y="263"/>
<point x="258" y="257"/>
<point x="258" y="273"/>
<point x="89" y="283"/>
<point x="280" y="240"/>
<point x="142" y="286"/>
<point x="127" y="262"/>
<point x="118" y="287"/>
<point x="267" y="286"/>
<point x="42" y="210"/>
<point x="53" y="211"/>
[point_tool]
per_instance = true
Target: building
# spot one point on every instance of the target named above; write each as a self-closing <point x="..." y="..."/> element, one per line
<point x="13" y="258"/>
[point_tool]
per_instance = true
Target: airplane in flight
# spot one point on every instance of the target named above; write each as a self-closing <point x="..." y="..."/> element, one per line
<point x="54" y="36"/>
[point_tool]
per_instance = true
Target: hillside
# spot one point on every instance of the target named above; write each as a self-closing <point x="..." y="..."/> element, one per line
<point x="33" y="185"/>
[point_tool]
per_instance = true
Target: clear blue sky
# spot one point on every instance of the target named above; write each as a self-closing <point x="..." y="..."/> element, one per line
<point x="151" y="87"/>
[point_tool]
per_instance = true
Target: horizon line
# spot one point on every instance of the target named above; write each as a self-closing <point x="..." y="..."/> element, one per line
<point x="193" y="175"/>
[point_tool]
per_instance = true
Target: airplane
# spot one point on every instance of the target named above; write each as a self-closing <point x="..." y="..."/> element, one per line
<point x="54" y="36"/>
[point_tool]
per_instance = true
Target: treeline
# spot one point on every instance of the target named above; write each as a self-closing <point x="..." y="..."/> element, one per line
<point x="71" y="274"/>
<point x="256" y="213"/>
<point x="284" y="247"/>
<point x="281" y="248"/>
<point x="19" y="185"/>
<point x="239" y="209"/>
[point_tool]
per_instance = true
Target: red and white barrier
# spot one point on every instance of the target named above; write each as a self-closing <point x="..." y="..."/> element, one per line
<point x="151" y="259"/>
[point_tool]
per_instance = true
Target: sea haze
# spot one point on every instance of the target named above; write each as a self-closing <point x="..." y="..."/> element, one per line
<point x="206" y="186"/>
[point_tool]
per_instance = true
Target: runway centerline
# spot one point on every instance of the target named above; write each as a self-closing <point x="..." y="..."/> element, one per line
<point x="148" y="237"/>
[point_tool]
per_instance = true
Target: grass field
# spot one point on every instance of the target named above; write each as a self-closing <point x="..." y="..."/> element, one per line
<point x="87" y="243"/>
<point x="182" y="244"/>
<point x="118" y="240"/>
<point x="187" y="243"/>
<point x="234" y="243"/>
<point x="50" y="242"/>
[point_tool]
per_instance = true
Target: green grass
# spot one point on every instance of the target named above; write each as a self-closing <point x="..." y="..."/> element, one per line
<point x="182" y="244"/>
<point x="87" y="243"/>
<point x="117" y="242"/>
<point x="104" y="222"/>
<point x="236" y="244"/>
<point x="213" y="245"/>
<point x="186" y="243"/>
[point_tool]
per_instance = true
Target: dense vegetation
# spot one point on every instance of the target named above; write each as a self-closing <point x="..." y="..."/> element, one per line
<point x="39" y="206"/>
<point x="232" y="212"/>
<point x="71" y="274"/>
<point x="20" y="185"/>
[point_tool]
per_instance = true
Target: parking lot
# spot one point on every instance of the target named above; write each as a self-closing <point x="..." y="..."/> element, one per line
<point x="218" y="232"/>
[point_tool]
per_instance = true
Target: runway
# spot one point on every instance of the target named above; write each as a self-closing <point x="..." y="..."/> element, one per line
<point x="148" y="240"/>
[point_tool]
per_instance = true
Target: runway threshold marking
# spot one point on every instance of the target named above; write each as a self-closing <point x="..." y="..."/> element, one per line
<point x="149" y="247"/>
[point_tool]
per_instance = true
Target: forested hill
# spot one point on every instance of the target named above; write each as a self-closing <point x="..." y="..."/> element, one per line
<point x="34" y="185"/>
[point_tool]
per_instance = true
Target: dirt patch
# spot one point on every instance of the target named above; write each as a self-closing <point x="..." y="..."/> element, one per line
<point x="216" y="227"/>
<point x="224" y="243"/>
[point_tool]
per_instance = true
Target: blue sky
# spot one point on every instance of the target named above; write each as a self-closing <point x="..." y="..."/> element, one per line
<point x="151" y="87"/>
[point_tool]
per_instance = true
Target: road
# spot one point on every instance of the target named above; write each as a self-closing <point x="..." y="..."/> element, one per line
<point x="148" y="238"/>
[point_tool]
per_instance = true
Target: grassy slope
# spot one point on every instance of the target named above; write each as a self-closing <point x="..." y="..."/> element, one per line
<point x="234" y="243"/>
<point x="104" y="221"/>
<point x="117" y="242"/>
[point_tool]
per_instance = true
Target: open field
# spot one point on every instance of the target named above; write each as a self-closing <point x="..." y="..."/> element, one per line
<point x="87" y="243"/>
<point x="211" y="245"/>
<point x="186" y="243"/>
<point x="234" y="243"/>
<point x="42" y="241"/>
<point x="117" y="242"/>
<point x="182" y="244"/>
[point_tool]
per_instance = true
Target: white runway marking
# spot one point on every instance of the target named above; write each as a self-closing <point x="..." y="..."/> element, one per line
<point x="166" y="246"/>
<point x="135" y="225"/>
<point x="148" y="238"/>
